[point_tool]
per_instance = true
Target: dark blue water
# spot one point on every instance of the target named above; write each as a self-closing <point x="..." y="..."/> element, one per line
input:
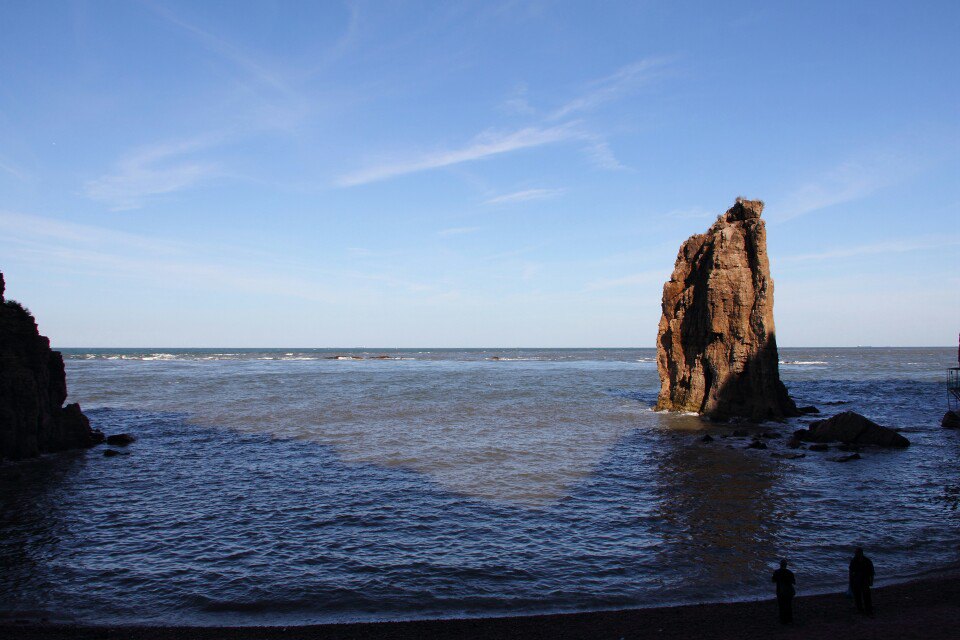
<point x="279" y="487"/>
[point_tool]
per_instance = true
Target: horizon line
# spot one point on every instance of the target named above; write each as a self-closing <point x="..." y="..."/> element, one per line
<point x="487" y="348"/>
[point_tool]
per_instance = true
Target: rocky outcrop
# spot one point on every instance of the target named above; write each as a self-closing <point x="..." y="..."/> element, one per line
<point x="120" y="439"/>
<point x="951" y="420"/>
<point x="716" y="346"/>
<point x="33" y="387"/>
<point x="851" y="428"/>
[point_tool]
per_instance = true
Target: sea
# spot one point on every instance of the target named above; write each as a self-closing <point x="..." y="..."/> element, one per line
<point x="298" y="486"/>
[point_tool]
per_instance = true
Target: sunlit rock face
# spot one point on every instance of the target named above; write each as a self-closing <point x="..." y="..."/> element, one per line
<point x="716" y="345"/>
<point x="33" y="387"/>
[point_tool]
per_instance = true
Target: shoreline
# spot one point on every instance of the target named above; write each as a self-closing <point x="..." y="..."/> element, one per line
<point x="923" y="608"/>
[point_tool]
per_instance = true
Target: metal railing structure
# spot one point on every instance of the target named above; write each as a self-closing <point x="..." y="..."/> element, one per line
<point x="953" y="388"/>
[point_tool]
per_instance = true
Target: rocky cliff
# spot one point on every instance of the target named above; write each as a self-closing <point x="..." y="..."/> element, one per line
<point x="716" y="346"/>
<point x="33" y="387"/>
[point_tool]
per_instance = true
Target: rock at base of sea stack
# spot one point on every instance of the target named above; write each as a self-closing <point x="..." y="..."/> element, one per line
<point x="716" y="345"/>
<point x="33" y="388"/>
<point x="852" y="428"/>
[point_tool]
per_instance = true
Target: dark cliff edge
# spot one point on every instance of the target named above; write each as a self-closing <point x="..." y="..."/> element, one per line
<point x="33" y="388"/>
<point x="716" y="345"/>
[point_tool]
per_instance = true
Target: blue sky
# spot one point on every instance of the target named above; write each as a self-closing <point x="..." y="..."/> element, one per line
<point x="471" y="174"/>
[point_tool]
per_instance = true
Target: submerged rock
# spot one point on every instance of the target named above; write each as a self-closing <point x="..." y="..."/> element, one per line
<point x="120" y="439"/>
<point x="707" y="438"/>
<point x="819" y="447"/>
<point x="852" y="428"/>
<point x="33" y="388"/>
<point x="808" y="410"/>
<point x="852" y="456"/>
<point x="757" y="444"/>
<point x="951" y="420"/>
<point x="716" y="344"/>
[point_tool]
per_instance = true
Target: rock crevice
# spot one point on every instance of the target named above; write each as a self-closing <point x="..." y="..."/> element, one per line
<point x="716" y="345"/>
<point x="33" y="388"/>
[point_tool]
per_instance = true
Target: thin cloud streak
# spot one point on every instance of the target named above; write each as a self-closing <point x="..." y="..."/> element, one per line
<point x="225" y="50"/>
<point x="19" y="225"/>
<point x="644" y="277"/>
<point x="344" y="44"/>
<point x="624" y="80"/>
<point x="599" y="154"/>
<point x="483" y="146"/>
<point x="162" y="168"/>
<point x="693" y="213"/>
<point x="16" y="172"/>
<point x="525" y="196"/>
<point x="850" y="181"/>
<point x="488" y="144"/>
<point x="153" y="170"/>
<point x="923" y="243"/>
<point x="107" y="251"/>
<point x="457" y="231"/>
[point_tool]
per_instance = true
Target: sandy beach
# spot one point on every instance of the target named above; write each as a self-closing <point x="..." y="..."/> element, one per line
<point x="920" y="609"/>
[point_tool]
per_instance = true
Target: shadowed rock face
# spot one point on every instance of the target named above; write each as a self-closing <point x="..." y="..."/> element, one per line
<point x="33" y="387"/>
<point x="716" y="345"/>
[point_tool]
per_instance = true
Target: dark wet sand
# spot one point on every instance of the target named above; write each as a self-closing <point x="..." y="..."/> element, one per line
<point x="927" y="608"/>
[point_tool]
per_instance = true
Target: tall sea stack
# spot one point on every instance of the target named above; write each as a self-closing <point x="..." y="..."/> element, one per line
<point x="33" y="387"/>
<point x="716" y="345"/>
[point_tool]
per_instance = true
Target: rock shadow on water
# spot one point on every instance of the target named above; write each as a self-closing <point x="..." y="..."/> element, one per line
<point x="205" y="523"/>
<point x="718" y="515"/>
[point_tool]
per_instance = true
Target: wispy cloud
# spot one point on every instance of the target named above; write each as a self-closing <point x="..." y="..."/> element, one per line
<point x="518" y="103"/>
<point x="598" y="152"/>
<point x="153" y="170"/>
<point x="483" y="146"/>
<point x="457" y="231"/>
<point x="169" y="166"/>
<point x="253" y="66"/>
<point x="644" y="277"/>
<point x="525" y="196"/>
<point x="14" y="171"/>
<point x="847" y="182"/>
<point x="553" y="127"/>
<point x="902" y="245"/>
<point x="694" y="213"/>
<point x="348" y="40"/>
<point x="624" y="80"/>
<point x="25" y="226"/>
<point x="54" y="243"/>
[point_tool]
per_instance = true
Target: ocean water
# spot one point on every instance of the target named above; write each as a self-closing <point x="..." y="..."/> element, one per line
<point x="303" y="486"/>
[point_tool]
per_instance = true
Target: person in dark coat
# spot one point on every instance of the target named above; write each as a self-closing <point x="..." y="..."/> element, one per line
<point x="861" y="579"/>
<point x="785" y="591"/>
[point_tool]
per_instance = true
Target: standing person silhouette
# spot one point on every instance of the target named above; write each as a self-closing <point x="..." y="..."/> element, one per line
<point x="861" y="579"/>
<point x="785" y="592"/>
